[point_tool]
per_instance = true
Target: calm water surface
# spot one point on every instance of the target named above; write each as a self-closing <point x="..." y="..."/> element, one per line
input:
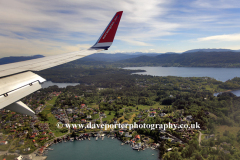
<point x="221" y="74"/>
<point x="107" y="149"/>
<point x="60" y="85"/>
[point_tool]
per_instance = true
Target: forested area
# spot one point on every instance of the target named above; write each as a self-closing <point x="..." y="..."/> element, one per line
<point x="113" y="89"/>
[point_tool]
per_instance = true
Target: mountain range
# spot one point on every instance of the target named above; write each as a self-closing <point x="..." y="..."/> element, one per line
<point x="191" y="58"/>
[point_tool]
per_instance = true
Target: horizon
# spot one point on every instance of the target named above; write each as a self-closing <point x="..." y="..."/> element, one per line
<point x="160" y="26"/>
<point x="136" y="53"/>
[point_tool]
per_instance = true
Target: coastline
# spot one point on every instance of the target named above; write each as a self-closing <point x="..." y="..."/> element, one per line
<point x="149" y="146"/>
<point x="230" y="90"/>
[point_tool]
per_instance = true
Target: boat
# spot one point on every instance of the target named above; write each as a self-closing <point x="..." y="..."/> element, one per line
<point x="96" y="138"/>
<point x="135" y="147"/>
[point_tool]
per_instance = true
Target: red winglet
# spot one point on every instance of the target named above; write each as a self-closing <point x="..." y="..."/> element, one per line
<point x="107" y="37"/>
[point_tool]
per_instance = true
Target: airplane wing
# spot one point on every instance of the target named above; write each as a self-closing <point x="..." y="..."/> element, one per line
<point x="17" y="80"/>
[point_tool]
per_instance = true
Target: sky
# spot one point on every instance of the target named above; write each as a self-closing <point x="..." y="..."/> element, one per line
<point x="50" y="27"/>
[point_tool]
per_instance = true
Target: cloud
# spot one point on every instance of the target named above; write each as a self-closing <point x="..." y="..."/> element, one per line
<point x="11" y="46"/>
<point x="225" y="37"/>
<point x="137" y="43"/>
<point x="213" y="4"/>
<point x="74" y="22"/>
<point x="51" y="27"/>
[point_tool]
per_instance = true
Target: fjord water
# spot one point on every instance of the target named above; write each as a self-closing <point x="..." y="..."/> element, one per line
<point x="60" y="85"/>
<point x="221" y="74"/>
<point x="107" y="149"/>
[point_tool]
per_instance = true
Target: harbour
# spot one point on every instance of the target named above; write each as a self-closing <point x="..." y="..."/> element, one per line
<point x="106" y="147"/>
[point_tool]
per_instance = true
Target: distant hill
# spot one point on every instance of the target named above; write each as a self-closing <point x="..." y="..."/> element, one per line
<point x="116" y="57"/>
<point x="208" y="50"/>
<point x="189" y="59"/>
<point x="7" y="60"/>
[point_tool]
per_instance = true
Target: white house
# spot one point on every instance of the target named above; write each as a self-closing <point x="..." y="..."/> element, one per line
<point x="89" y="116"/>
<point x="3" y="142"/>
<point x="19" y="158"/>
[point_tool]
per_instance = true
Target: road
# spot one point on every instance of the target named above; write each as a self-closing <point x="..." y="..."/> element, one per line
<point x="199" y="138"/>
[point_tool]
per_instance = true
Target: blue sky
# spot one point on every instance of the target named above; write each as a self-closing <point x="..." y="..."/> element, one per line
<point x="49" y="27"/>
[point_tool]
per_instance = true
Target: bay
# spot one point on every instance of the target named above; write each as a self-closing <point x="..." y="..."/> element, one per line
<point x="107" y="149"/>
<point x="60" y="85"/>
<point x="221" y="74"/>
<point x="236" y="92"/>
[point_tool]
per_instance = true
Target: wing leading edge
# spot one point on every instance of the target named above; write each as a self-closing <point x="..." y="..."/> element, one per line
<point x="17" y="80"/>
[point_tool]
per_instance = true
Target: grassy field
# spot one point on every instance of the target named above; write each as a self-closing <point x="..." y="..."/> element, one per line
<point x="232" y="130"/>
<point x="9" y="157"/>
<point x="93" y="105"/>
<point x="4" y="147"/>
<point x="155" y="106"/>
<point x="51" y="119"/>
<point x="109" y="117"/>
<point x="95" y="116"/>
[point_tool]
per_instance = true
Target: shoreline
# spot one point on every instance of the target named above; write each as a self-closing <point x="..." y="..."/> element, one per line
<point x="149" y="146"/>
<point x="230" y="90"/>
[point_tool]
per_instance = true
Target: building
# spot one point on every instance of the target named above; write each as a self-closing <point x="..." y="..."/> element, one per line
<point x="3" y="142"/>
<point x="18" y="158"/>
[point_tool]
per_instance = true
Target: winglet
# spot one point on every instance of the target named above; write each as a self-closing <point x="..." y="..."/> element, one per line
<point x="107" y="37"/>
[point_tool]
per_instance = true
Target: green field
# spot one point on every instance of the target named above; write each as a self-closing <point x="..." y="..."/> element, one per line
<point x="51" y="119"/>
<point x="109" y="117"/>
<point x="9" y="157"/>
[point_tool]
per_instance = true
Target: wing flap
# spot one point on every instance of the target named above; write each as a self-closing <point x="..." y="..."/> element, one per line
<point x="13" y="91"/>
<point x="20" y="107"/>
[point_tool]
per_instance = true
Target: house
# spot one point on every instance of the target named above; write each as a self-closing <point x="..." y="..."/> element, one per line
<point x="18" y="158"/>
<point x="103" y="115"/>
<point x="32" y="137"/>
<point x="104" y="122"/>
<point x="21" y="142"/>
<point x="183" y="122"/>
<point x="137" y="137"/>
<point x="89" y="116"/>
<point x="175" y="140"/>
<point x="65" y="121"/>
<point x="162" y="114"/>
<point x="139" y="116"/>
<point x="3" y="142"/>
<point x="121" y="132"/>
<point x="41" y="139"/>
<point x="83" y="105"/>
<point x="27" y="149"/>
<point x="128" y="135"/>
<point x="69" y="111"/>
<point x="75" y="116"/>
<point x="115" y="121"/>
<point x="83" y="121"/>
<point x="209" y="136"/>
<point x="189" y="118"/>
<point x="152" y="114"/>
